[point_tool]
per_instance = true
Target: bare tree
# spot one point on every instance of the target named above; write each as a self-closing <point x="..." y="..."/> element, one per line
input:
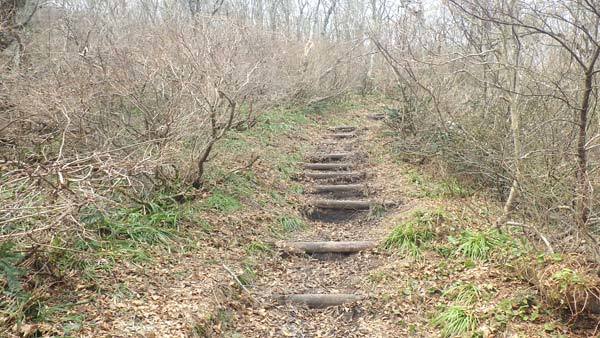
<point x="572" y="25"/>
<point x="9" y="22"/>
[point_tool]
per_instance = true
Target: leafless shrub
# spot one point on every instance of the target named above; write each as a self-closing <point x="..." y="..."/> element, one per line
<point x="114" y="101"/>
<point x="502" y="92"/>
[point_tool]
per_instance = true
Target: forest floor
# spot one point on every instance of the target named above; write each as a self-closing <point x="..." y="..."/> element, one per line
<point x="440" y="269"/>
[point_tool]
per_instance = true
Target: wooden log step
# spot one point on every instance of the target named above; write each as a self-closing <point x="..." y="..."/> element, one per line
<point x="348" y="175"/>
<point x="377" y="116"/>
<point x="343" y="135"/>
<point x="342" y="204"/>
<point x="343" y="129"/>
<point x="331" y="156"/>
<point x="339" y="188"/>
<point x="346" y="247"/>
<point x="319" y="301"/>
<point x="327" y="166"/>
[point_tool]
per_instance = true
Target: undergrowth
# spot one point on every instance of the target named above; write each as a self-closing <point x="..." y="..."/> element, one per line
<point x="411" y="236"/>
<point x="438" y="188"/>
<point x="136" y="230"/>
<point x="291" y="223"/>
<point x="455" y="320"/>
<point x="124" y="234"/>
<point x="480" y="245"/>
<point x="465" y="293"/>
<point x="222" y="202"/>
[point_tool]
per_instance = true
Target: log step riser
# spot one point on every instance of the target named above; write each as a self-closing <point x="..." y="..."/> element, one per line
<point x="331" y="157"/>
<point x="319" y="301"/>
<point x="342" y="205"/>
<point x="343" y="129"/>
<point x="340" y="188"/>
<point x="333" y="215"/>
<point x="330" y="247"/>
<point x="327" y="166"/>
<point x="338" y="175"/>
<point x="343" y="135"/>
<point x="376" y="117"/>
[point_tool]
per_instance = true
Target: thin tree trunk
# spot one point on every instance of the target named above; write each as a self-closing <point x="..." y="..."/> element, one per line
<point x="515" y="118"/>
<point x="583" y="190"/>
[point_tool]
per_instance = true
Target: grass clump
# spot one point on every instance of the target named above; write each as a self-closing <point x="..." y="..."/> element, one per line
<point x="125" y="234"/>
<point x="257" y="248"/>
<point x="464" y="293"/>
<point x="222" y="202"/>
<point x="412" y="235"/>
<point x="278" y="121"/>
<point x="214" y="324"/>
<point x="479" y="245"/>
<point x="291" y="224"/>
<point x="455" y="320"/>
<point x="248" y="275"/>
<point x="287" y="165"/>
<point x="153" y="223"/>
<point x="408" y="237"/>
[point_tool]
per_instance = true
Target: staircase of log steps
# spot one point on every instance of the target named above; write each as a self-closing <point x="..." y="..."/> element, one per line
<point x="338" y="192"/>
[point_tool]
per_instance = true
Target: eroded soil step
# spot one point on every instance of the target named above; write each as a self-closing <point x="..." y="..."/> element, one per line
<point x="345" y="247"/>
<point x="319" y="300"/>
<point x="327" y="166"/>
<point x="342" y="204"/>
<point x="339" y="175"/>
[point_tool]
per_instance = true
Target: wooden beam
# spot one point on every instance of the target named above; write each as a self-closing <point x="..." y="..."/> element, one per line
<point x="377" y="116"/>
<point x="344" y="129"/>
<point x="341" y="204"/>
<point x="327" y="166"/>
<point x="343" y="135"/>
<point x="331" y="156"/>
<point x="329" y="247"/>
<point x="345" y="175"/>
<point x="316" y="300"/>
<point x="339" y="188"/>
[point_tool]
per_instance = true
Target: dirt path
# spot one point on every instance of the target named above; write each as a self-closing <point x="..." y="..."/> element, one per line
<point x="317" y="284"/>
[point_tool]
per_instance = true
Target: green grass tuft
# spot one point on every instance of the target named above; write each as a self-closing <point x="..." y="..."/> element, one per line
<point x="291" y="224"/>
<point x="15" y="301"/>
<point x="479" y="245"/>
<point x="411" y="236"/>
<point x="258" y="247"/>
<point x="222" y="202"/>
<point x="455" y="320"/>
<point x="464" y="293"/>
